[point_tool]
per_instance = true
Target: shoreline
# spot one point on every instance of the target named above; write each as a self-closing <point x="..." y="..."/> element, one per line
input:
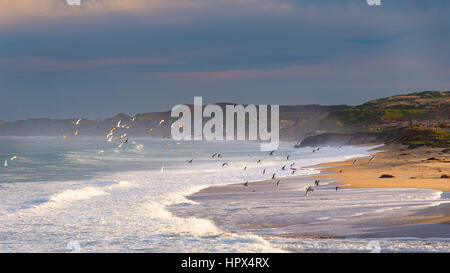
<point x="264" y="211"/>
<point x="419" y="168"/>
<point x="411" y="169"/>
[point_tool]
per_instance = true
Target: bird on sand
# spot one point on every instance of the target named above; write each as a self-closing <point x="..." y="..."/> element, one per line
<point x="337" y="188"/>
<point x="317" y="182"/>
<point x="371" y="158"/>
<point x="224" y="164"/>
<point x="356" y="160"/>
<point x="288" y="157"/>
<point x="273" y="176"/>
<point x="264" y="171"/>
<point x="214" y="155"/>
<point x="245" y="167"/>
<point x="284" y="167"/>
<point x="278" y="183"/>
<point x="246" y="183"/>
<point x="259" y="161"/>
<point x="190" y="161"/>
<point x="271" y="153"/>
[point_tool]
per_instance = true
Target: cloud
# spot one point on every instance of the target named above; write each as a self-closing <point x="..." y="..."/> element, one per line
<point x="19" y="12"/>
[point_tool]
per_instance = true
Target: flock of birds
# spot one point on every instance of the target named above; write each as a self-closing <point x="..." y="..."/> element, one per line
<point x="123" y="139"/>
<point x="285" y="167"/>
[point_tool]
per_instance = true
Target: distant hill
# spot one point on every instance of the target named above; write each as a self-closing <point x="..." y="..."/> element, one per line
<point x="414" y="119"/>
<point x="296" y="121"/>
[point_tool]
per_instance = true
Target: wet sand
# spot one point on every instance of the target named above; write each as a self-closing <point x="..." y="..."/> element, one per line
<point x="267" y="210"/>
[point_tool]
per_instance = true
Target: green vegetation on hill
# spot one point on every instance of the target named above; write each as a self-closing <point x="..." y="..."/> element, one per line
<point x="411" y="106"/>
<point x="415" y="119"/>
<point x="363" y="115"/>
<point x="416" y="136"/>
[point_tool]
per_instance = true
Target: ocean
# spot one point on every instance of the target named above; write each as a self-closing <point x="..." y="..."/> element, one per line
<point x="88" y="195"/>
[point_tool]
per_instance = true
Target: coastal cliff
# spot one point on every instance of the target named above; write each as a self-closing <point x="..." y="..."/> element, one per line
<point x="417" y="119"/>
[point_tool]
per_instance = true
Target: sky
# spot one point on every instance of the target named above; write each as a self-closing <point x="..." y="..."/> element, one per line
<point x="132" y="56"/>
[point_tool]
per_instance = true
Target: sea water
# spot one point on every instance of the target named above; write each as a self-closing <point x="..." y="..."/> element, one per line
<point x="88" y="195"/>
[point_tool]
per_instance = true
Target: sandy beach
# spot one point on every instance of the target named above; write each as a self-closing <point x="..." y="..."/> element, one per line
<point x="419" y="168"/>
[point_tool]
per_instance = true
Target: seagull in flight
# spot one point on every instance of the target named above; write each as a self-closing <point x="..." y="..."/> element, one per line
<point x="77" y="122"/>
<point x="161" y="122"/>
<point x="119" y="125"/>
<point x="309" y="189"/>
